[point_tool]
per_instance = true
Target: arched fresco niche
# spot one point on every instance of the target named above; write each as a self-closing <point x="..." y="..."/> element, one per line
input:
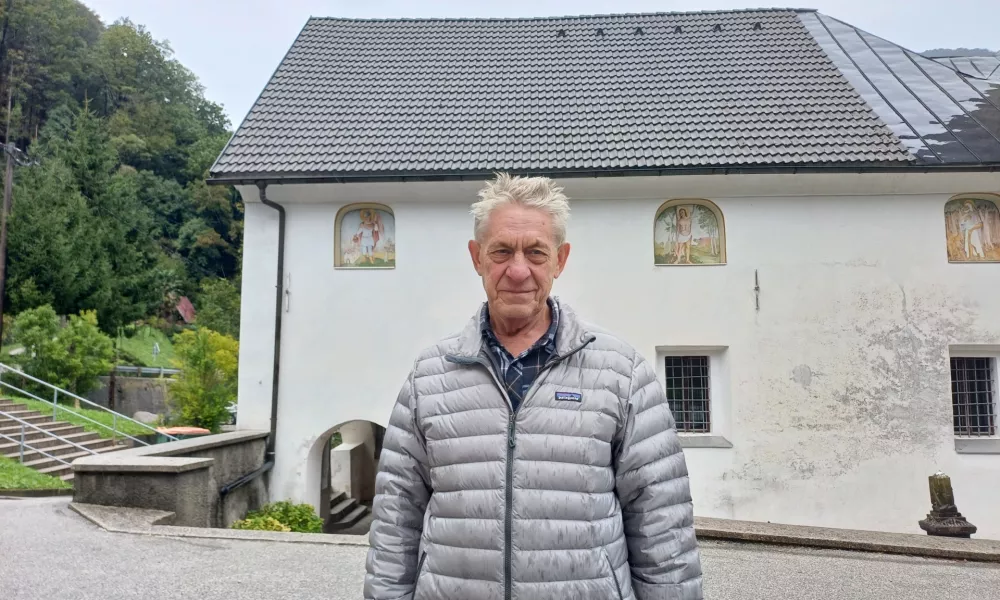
<point x="972" y="228"/>
<point x="365" y="237"/>
<point x="689" y="232"/>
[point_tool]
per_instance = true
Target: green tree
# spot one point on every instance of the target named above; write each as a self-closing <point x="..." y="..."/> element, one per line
<point x="202" y="247"/>
<point x="123" y="132"/>
<point x="88" y="352"/>
<point x="170" y="203"/>
<point x="36" y="329"/>
<point x="54" y="253"/>
<point x="129" y="64"/>
<point x="89" y="153"/>
<point x="70" y="357"/>
<point x="219" y="306"/>
<point x="54" y="135"/>
<point x="201" y="154"/>
<point x="126" y="231"/>
<point x="215" y="252"/>
<point x="48" y="46"/>
<point x="207" y="383"/>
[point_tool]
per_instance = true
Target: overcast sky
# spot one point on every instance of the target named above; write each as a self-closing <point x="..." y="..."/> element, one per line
<point x="234" y="45"/>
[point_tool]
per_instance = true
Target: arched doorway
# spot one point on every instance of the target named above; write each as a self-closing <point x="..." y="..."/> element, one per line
<point x="350" y="455"/>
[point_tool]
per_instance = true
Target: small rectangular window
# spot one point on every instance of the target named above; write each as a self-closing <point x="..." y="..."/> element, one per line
<point x="687" y="387"/>
<point x="973" y="397"/>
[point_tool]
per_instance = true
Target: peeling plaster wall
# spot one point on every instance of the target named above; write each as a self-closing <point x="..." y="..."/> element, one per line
<point x="840" y="387"/>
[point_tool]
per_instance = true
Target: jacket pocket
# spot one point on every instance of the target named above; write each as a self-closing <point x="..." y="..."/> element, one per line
<point x="614" y="576"/>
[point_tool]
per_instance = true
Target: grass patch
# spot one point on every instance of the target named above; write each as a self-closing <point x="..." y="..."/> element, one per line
<point x="72" y="415"/>
<point x="699" y="256"/>
<point x="6" y="350"/>
<point x="14" y="476"/>
<point x="139" y="349"/>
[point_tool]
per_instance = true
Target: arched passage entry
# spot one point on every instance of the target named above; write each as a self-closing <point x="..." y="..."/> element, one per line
<point x="349" y="462"/>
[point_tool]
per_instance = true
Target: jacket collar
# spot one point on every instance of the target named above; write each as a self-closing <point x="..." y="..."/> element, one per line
<point x="570" y="336"/>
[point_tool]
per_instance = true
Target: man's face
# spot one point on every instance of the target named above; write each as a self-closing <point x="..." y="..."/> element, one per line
<point x="518" y="259"/>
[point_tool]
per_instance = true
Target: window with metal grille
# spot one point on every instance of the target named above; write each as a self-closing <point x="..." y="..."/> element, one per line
<point x="688" y="392"/>
<point x="972" y="396"/>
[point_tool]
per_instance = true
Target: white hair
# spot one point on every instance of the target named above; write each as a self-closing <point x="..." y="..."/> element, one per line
<point x="541" y="193"/>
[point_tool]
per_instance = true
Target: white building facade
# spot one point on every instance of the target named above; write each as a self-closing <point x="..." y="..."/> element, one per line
<point x="835" y="338"/>
<point x="830" y="385"/>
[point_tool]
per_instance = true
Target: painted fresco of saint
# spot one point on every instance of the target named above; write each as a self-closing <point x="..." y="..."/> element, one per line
<point x="369" y="232"/>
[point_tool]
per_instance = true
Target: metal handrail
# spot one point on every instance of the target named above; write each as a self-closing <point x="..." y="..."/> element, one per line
<point x="55" y="406"/>
<point x="6" y="415"/>
<point x="55" y="414"/>
<point x="141" y="371"/>
<point x="33" y="449"/>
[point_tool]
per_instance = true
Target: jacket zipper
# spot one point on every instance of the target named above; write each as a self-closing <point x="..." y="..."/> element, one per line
<point x="511" y="444"/>
<point x="420" y="569"/>
<point x="508" y="525"/>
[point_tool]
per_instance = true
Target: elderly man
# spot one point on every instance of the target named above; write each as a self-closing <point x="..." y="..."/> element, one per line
<point x="530" y="457"/>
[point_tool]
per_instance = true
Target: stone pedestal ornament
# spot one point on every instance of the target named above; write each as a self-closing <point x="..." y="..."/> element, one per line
<point x="944" y="518"/>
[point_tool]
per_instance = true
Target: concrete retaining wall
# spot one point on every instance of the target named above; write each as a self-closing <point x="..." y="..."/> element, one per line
<point x="134" y="394"/>
<point x="181" y="477"/>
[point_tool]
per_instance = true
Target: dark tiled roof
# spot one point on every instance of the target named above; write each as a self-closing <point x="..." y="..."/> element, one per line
<point x="942" y="116"/>
<point x="604" y="93"/>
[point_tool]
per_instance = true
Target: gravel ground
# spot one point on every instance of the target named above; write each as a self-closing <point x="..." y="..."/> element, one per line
<point x="49" y="552"/>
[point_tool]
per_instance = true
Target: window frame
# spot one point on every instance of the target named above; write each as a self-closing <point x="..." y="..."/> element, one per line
<point x="719" y="406"/>
<point x="698" y="406"/>
<point x="976" y="444"/>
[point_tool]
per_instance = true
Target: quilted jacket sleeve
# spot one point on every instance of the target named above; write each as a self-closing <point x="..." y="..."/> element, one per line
<point x="402" y="491"/>
<point x="652" y="486"/>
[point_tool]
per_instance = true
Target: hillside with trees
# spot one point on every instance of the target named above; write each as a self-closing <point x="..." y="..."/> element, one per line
<point x="112" y="213"/>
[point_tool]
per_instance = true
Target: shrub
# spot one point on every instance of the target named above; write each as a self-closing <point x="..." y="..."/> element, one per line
<point x="300" y="518"/>
<point x="207" y="383"/>
<point x="260" y="524"/>
<point x="219" y="306"/>
<point x="70" y="357"/>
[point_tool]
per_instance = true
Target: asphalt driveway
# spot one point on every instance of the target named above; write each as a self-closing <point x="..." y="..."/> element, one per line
<point x="49" y="552"/>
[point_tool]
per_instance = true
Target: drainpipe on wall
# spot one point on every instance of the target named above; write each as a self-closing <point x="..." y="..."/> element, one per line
<point x="278" y="292"/>
<point x="228" y="488"/>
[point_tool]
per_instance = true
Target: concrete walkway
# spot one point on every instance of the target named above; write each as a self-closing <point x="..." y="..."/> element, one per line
<point x="47" y="551"/>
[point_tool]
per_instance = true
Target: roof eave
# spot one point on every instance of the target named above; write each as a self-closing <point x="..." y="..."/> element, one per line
<point x="411" y="176"/>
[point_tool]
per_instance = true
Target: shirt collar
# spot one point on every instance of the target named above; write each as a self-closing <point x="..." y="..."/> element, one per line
<point x="548" y="339"/>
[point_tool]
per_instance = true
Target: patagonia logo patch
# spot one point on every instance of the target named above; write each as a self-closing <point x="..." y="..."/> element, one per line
<point x="569" y="397"/>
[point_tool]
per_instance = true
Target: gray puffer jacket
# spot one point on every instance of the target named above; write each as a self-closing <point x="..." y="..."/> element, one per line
<point x="581" y="494"/>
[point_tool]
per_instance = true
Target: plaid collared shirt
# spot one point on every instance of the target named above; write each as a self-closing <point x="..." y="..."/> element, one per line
<point x="518" y="373"/>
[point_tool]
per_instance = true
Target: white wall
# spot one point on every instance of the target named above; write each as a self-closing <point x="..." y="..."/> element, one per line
<point x="840" y="397"/>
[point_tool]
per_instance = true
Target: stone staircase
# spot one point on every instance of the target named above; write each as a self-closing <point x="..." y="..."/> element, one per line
<point x="46" y="440"/>
<point x="345" y="512"/>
